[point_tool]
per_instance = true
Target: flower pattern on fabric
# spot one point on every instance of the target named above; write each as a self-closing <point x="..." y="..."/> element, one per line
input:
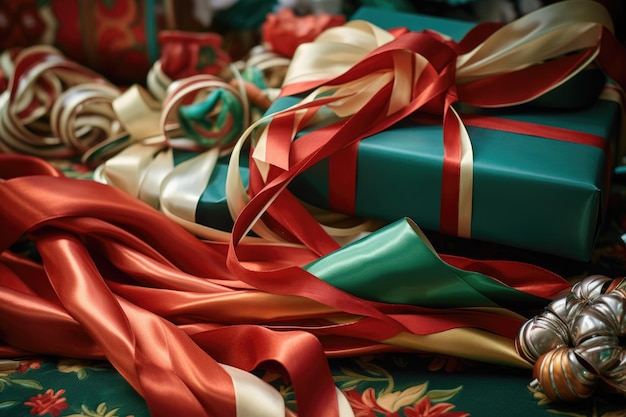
<point x="386" y="400"/>
<point x="6" y="379"/>
<point x="425" y="407"/>
<point x="52" y="390"/>
<point x="28" y="364"/>
<point x="50" y="402"/>
<point x="412" y="402"/>
<point x="80" y="367"/>
<point x="100" y="411"/>
<point x="394" y="385"/>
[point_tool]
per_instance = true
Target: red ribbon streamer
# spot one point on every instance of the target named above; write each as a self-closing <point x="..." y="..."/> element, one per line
<point x="111" y="267"/>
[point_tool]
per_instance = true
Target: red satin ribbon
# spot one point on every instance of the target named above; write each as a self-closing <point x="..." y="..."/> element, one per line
<point x="119" y="280"/>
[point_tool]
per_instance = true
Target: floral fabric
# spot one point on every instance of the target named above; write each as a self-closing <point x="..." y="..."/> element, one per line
<point x="390" y="385"/>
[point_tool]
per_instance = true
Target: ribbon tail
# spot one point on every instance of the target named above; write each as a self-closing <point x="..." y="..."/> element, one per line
<point x="397" y="265"/>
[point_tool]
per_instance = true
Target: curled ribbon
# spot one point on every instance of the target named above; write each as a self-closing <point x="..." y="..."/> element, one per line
<point x="197" y="113"/>
<point x="178" y="140"/>
<point x="208" y="111"/>
<point x="53" y="107"/>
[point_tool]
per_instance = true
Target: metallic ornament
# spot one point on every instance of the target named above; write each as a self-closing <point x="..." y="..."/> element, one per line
<point x="615" y="378"/>
<point x="591" y="287"/>
<point x="541" y="334"/>
<point x="611" y="308"/>
<point x="563" y="376"/>
<point x="576" y="342"/>
<point x="600" y="353"/>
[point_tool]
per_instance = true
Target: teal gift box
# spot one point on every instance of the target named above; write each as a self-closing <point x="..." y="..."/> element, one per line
<point x="529" y="192"/>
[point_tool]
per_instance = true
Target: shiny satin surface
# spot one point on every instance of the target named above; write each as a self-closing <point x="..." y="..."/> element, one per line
<point x="392" y="265"/>
<point x="427" y="71"/>
<point x="183" y="319"/>
<point x="170" y="309"/>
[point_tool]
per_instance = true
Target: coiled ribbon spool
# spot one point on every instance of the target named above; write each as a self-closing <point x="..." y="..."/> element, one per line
<point x="53" y="107"/>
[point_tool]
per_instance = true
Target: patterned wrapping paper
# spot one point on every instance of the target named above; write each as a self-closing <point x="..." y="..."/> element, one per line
<point x="119" y="38"/>
<point x="116" y="38"/>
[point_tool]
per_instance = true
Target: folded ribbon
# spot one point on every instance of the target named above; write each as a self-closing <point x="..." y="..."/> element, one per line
<point x="173" y="316"/>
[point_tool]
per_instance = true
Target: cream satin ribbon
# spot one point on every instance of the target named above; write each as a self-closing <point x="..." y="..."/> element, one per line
<point x="351" y="97"/>
<point x="547" y="33"/>
<point x="237" y="198"/>
<point x="157" y="81"/>
<point x="335" y="51"/>
<point x="128" y="169"/>
<point x="180" y="187"/>
<point x="146" y="170"/>
<point x="139" y="112"/>
<point x="45" y="85"/>
<point x="256" y="398"/>
<point x="616" y="95"/>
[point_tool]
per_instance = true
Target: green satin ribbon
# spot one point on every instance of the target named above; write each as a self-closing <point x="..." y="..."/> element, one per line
<point x="212" y="208"/>
<point x="227" y="105"/>
<point x="181" y="155"/>
<point x="255" y="76"/>
<point x="396" y="264"/>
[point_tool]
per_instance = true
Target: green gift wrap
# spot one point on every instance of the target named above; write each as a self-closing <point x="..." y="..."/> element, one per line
<point x="529" y="192"/>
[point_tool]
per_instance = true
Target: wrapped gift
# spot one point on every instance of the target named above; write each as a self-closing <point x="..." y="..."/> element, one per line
<point x="540" y="169"/>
